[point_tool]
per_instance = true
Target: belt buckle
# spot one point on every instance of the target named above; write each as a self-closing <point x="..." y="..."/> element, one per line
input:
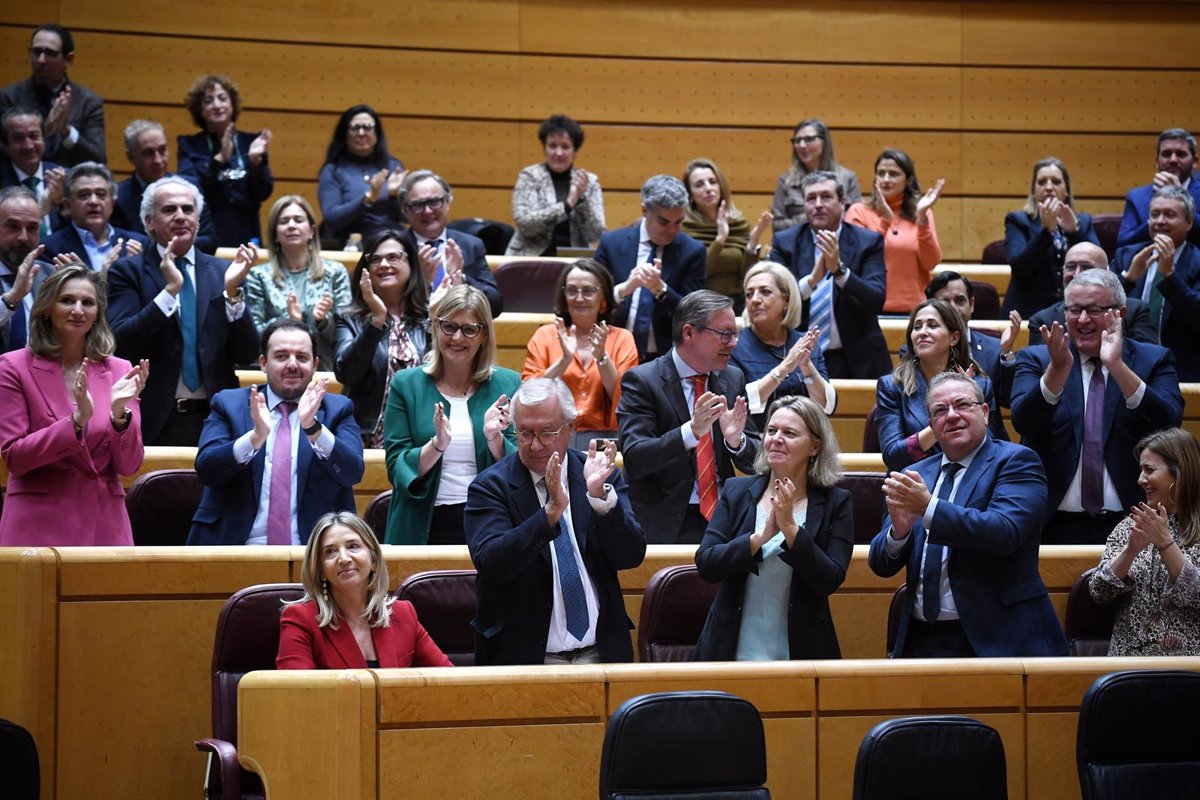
<point x="181" y="405"/>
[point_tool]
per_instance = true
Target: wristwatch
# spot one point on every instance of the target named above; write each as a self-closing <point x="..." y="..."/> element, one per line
<point x="311" y="429"/>
<point x="9" y="304"/>
<point x="235" y="299"/>
<point x="837" y="273"/>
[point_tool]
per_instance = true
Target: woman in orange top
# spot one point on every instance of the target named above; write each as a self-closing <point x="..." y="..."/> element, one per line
<point x="902" y="215"/>
<point x="583" y="350"/>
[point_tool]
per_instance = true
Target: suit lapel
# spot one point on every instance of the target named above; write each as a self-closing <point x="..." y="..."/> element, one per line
<point x="673" y="387"/>
<point x="343" y="641"/>
<point x="208" y="286"/>
<point x="77" y="245"/>
<point x="980" y="465"/>
<point x="815" y="514"/>
<point x="581" y="509"/>
<point x="49" y="379"/>
<point x="524" y="496"/>
<point x="804" y="251"/>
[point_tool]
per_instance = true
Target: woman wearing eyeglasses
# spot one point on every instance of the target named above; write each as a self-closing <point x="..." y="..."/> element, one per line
<point x="384" y="330"/>
<point x="938" y="341"/>
<point x="359" y="181"/>
<point x="583" y="350"/>
<point x="812" y="149"/>
<point x="446" y="422"/>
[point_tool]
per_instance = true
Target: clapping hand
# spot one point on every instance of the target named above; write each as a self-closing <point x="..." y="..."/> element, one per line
<point x="58" y="120"/>
<point x="722" y="222"/>
<point x="827" y="243"/>
<point x="441" y="428"/>
<point x="566" y="338"/>
<point x="324" y="306"/>
<point x="880" y="204"/>
<point x="557" y="501"/>
<point x="579" y="184"/>
<point x="1150" y="524"/>
<point x="66" y="260"/>
<point x="258" y="148"/>
<point x="1111" y="340"/>
<point x="1066" y="217"/>
<point x="371" y="300"/>
<point x="293" y="307"/>
<point x="81" y="397"/>
<point x="760" y="227"/>
<point x="171" y="273"/>
<point x="783" y="501"/>
<point x="395" y="180"/>
<point x="122" y="248"/>
<point x="261" y="417"/>
<point x="733" y="422"/>
<point x="226" y="153"/>
<point x="907" y="498"/>
<point x="375" y="184"/>
<point x="1165" y="178"/>
<point x="600" y="464"/>
<point x="129" y="387"/>
<point x="928" y="199"/>
<point x="1009" y="336"/>
<point x="235" y="273"/>
<point x="496" y="418"/>
<point x="310" y="402"/>
<point x="598" y="336"/>
<point x="1058" y="344"/>
<point x="1165" y="247"/>
<point x="708" y="409"/>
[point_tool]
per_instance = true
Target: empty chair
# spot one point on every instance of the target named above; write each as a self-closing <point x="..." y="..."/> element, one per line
<point x="674" y="607"/>
<point x="895" y="609"/>
<point x="931" y="758"/>
<point x="161" y="505"/>
<point x="377" y="513"/>
<point x="702" y="745"/>
<point x="528" y="285"/>
<point x="20" y="778"/>
<point x="987" y="300"/>
<point x="1107" y="226"/>
<point x="1089" y="625"/>
<point x="994" y="253"/>
<point x="445" y="604"/>
<point x="247" y="639"/>
<point x="866" y="489"/>
<point x="1135" y="737"/>
<point x="870" y="443"/>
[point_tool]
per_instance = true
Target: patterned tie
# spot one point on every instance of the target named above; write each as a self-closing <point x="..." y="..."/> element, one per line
<point x="645" y="309"/>
<point x="706" y="461"/>
<point x="931" y="572"/>
<point x="436" y="244"/>
<point x="187" y="325"/>
<point x="1091" y="485"/>
<point x="279" y="503"/>
<point x="569" y="581"/>
<point x="31" y="183"/>
<point x="820" y="310"/>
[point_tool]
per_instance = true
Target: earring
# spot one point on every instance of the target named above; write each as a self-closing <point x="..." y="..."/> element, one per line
<point x="325" y="590"/>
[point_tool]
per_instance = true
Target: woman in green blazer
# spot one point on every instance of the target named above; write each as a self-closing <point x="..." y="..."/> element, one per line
<point x="446" y="422"/>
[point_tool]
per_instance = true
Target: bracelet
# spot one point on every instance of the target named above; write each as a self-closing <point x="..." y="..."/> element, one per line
<point x="602" y="360"/>
<point x="433" y="442"/>
<point x="775" y="376"/>
<point x="124" y="420"/>
<point x="1166" y="546"/>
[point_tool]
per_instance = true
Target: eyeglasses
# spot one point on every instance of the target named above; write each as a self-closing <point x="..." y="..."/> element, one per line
<point x="806" y="140"/>
<point x="362" y="127"/>
<point x="546" y="438"/>
<point x="1075" y="312"/>
<point x="960" y="407"/>
<point x="395" y="259"/>
<point x="725" y="336"/>
<point x="432" y="204"/>
<point x="469" y="330"/>
<point x="38" y="52"/>
<point x="577" y="291"/>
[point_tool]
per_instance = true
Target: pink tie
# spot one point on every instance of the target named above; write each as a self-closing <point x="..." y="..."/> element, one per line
<point x="279" y="505"/>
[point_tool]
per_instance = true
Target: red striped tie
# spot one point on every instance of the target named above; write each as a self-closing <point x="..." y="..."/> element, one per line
<point x="706" y="461"/>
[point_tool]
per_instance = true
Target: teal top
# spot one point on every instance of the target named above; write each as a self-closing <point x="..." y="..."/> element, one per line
<point x="764" y="632"/>
<point x="408" y="425"/>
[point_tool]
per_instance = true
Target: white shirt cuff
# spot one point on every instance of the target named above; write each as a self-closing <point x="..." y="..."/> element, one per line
<point x="324" y="444"/>
<point x="1135" y="399"/>
<point x="605" y="504"/>
<point x="243" y="450"/>
<point x="167" y="303"/>
<point x="689" y="438"/>
<point x="1049" y="396"/>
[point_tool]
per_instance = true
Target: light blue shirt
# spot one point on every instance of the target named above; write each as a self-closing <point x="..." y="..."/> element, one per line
<point x="97" y="253"/>
<point x="763" y="635"/>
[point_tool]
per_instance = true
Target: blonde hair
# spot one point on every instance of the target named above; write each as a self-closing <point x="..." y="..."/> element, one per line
<point x="98" y="343"/>
<point x="316" y="267"/>
<point x="463" y="298"/>
<point x="825" y="468"/>
<point x="785" y="281"/>
<point x="379" y="602"/>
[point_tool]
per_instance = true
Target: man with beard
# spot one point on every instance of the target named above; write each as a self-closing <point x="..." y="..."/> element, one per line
<point x="20" y="272"/>
<point x="274" y="458"/>
<point x="1174" y="160"/>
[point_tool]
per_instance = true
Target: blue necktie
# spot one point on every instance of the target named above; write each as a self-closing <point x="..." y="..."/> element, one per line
<point x="931" y="572"/>
<point x="645" y="309"/>
<point x="574" y="600"/>
<point x="820" y="310"/>
<point x="436" y="244"/>
<point x="187" y="324"/>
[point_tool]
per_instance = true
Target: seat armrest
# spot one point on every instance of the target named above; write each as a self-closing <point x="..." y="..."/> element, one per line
<point x="227" y="763"/>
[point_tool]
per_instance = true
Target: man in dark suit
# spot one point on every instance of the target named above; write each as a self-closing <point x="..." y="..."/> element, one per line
<point x="654" y="265"/>
<point x="256" y="436"/>
<point x="146" y="149"/>
<point x="1083" y="400"/>
<point x="26" y="165"/>
<point x="192" y="355"/>
<point x="1166" y="275"/>
<point x="842" y="280"/>
<point x="683" y="423"/>
<point x="1084" y="256"/>
<point x="73" y="113"/>
<point x="1175" y="161"/>
<point x="966" y="524"/>
<point x="21" y="273"/>
<point x="88" y="192"/>
<point x="446" y="254"/>
<point x="548" y="529"/>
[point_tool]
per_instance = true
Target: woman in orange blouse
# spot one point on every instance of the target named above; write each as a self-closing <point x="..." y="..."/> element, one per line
<point x="903" y="216"/>
<point x="583" y="350"/>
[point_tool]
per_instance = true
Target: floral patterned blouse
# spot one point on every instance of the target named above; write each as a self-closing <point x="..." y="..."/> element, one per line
<point x="1156" y="617"/>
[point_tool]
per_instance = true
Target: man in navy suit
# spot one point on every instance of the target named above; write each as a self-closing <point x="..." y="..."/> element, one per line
<point x="680" y="411"/>
<point x="88" y="192"/>
<point x="183" y="310"/>
<point x="1175" y="160"/>
<point x="243" y="457"/>
<point x="841" y="267"/>
<point x="425" y="199"/>
<point x="966" y="525"/>
<point x="26" y="165"/>
<point x="1166" y="275"/>
<point x="1083" y="400"/>
<point x="654" y="265"/>
<point x="548" y="529"/>
<point x="995" y="355"/>
<point x="146" y="149"/>
<point x="21" y="273"/>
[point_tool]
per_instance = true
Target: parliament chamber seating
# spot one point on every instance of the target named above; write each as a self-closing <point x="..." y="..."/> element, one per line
<point x="672" y="745"/>
<point x="946" y="757"/>
<point x="987" y="300"/>
<point x="870" y="433"/>
<point x="376" y="513"/>
<point x="247" y="639"/>
<point x="161" y="504"/>
<point x="674" y="608"/>
<point x="445" y="604"/>
<point x="895" y="610"/>
<point x="1088" y="624"/>
<point x="528" y="284"/>
<point x="1136" y="736"/>
<point x="866" y="492"/>
<point x="993" y="253"/>
<point x="20" y="778"/>
<point x="1107" y="226"/>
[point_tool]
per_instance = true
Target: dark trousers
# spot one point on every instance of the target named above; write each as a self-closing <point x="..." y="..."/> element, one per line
<point x="184" y="424"/>
<point x="691" y="531"/>
<point x="1080" y="527"/>
<point x="945" y="639"/>
<point x="446" y="525"/>
<point x="837" y="365"/>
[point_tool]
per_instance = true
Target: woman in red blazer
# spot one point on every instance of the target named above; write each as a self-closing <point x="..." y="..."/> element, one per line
<point x="69" y="421"/>
<point x="347" y="619"/>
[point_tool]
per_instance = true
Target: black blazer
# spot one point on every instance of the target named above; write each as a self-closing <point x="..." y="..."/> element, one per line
<point x="143" y="331"/>
<point x="235" y="203"/>
<point x="67" y="240"/>
<point x="661" y="470"/>
<point x="1181" y="306"/>
<point x="127" y="212"/>
<point x="361" y="363"/>
<point x="819" y="560"/>
<point x="1036" y="271"/>
<point x="475" y="266"/>
<point x="509" y="539"/>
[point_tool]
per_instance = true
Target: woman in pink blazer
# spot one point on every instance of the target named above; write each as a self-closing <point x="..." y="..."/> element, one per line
<point x="70" y="425"/>
<point x="346" y="619"/>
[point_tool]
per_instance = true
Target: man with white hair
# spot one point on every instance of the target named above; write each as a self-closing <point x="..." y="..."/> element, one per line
<point x="182" y="309"/>
<point x="548" y="528"/>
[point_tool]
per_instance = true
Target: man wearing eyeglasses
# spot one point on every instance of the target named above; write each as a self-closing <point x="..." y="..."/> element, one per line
<point x="548" y="529"/>
<point x="683" y="423"/>
<point x="425" y="199"/>
<point x="965" y="524"/>
<point x="73" y="114"/>
<point x="1083" y="400"/>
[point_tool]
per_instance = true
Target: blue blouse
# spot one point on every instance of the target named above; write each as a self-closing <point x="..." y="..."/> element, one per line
<point x="340" y="190"/>
<point x="755" y="359"/>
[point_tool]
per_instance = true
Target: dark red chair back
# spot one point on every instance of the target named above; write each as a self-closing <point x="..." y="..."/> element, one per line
<point x="377" y="513"/>
<point x="161" y="505"/>
<point x="1089" y="625"/>
<point x="1107" y="226"/>
<point x="895" y="611"/>
<point x="674" y="607"/>
<point x="994" y="253"/>
<point x="870" y="442"/>
<point x="445" y="601"/>
<point x="528" y="285"/>
<point x="866" y="491"/>
<point x="987" y="300"/>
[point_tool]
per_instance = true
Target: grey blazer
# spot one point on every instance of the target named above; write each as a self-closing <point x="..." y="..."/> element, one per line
<point x="536" y="212"/>
<point x="267" y="302"/>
